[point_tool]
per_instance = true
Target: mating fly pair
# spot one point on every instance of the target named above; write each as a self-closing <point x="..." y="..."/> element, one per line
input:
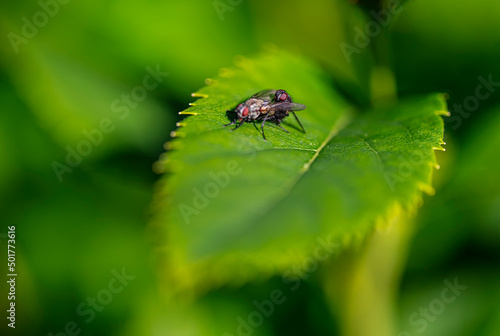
<point x="272" y="105"/>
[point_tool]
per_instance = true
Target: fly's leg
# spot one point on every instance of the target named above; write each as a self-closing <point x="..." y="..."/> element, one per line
<point x="283" y="128"/>
<point x="278" y="122"/>
<point x="234" y="122"/>
<point x="231" y="123"/>
<point x="303" y="129"/>
<point x="238" y="126"/>
<point x="262" y="127"/>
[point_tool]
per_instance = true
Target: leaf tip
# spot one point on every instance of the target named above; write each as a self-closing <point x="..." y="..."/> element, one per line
<point x="188" y="112"/>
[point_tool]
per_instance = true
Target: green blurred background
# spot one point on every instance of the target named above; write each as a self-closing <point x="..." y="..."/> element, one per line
<point x="61" y="77"/>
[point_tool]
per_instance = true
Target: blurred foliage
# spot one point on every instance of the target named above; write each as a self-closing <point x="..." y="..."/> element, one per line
<point x="65" y="77"/>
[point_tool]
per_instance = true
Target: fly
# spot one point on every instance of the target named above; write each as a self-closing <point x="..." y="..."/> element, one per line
<point x="271" y="105"/>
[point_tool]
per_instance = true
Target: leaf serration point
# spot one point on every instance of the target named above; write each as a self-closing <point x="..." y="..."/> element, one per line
<point x="269" y="47"/>
<point x="199" y="95"/>
<point x="426" y="189"/>
<point x="439" y="148"/>
<point x="226" y="73"/>
<point x="443" y="113"/>
<point x="158" y="167"/>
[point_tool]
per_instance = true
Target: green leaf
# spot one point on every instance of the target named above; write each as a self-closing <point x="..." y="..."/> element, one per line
<point x="236" y="207"/>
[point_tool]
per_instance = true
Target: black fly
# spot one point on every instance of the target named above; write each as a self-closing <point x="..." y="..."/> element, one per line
<point x="272" y="105"/>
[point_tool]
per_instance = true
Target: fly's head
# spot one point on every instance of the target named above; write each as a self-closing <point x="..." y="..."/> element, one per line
<point x="281" y="96"/>
<point x="242" y="111"/>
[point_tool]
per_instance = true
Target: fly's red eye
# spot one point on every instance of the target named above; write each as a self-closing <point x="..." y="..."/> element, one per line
<point x="244" y="112"/>
<point x="283" y="96"/>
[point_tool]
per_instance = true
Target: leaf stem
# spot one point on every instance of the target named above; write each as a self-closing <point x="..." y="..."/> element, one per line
<point x="363" y="295"/>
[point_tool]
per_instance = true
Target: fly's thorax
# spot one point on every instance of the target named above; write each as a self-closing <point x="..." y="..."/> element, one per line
<point x="255" y="107"/>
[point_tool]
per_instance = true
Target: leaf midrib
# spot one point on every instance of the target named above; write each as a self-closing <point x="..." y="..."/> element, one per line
<point x="343" y="120"/>
<point x="341" y="123"/>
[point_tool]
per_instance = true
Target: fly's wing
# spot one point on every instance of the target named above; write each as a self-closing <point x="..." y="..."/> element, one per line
<point x="287" y="107"/>
<point x="265" y="95"/>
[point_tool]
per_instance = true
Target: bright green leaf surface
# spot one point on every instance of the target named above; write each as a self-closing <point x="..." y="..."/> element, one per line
<point x="265" y="204"/>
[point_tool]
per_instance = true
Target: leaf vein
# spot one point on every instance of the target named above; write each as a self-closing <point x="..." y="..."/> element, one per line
<point x="377" y="154"/>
